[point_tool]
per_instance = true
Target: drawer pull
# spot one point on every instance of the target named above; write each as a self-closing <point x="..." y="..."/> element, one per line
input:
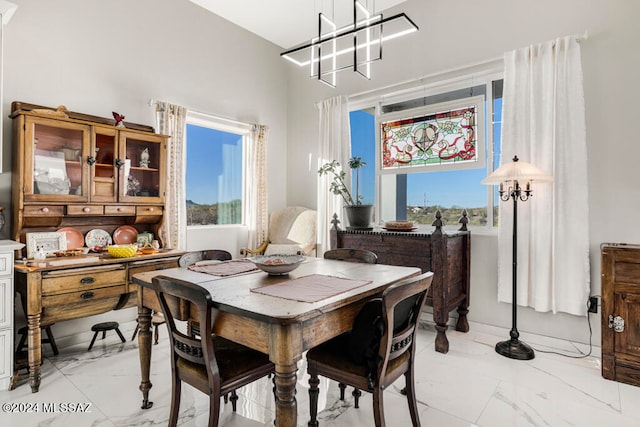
<point x="87" y="295"/>
<point x="119" y="209"/>
<point x="150" y="209"/>
<point x="45" y="210"/>
<point x="86" y="210"/>
<point x="87" y="280"/>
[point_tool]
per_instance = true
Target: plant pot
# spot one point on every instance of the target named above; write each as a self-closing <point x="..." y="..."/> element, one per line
<point x="359" y="216"/>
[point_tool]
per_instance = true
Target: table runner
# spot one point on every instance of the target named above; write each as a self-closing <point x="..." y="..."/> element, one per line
<point x="312" y="288"/>
<point x="225" y="268"/>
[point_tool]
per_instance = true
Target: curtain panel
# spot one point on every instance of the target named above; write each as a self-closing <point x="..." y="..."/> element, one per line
<point x="255" y="197"/>
<point x="544" y="124"/>
<point x="335" y="144"/>
<point x="171" y="120"/>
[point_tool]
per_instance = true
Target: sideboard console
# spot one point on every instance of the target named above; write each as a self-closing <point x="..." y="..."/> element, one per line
<point x="446" y="254"/>
<point x="53" y="294"/>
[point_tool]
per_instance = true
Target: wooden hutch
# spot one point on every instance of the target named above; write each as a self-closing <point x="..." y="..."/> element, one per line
<point x="72" y="170"/>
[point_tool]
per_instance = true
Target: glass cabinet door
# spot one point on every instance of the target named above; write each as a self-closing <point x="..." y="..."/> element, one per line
<point x="142" y="173"/>
<point x="55" y="166"/>
<point x="104" y="165"/>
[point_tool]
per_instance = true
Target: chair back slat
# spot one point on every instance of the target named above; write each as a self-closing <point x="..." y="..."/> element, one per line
<point x="407" y="296"/>
<point x="352" y="255"/>
<point x="188" y="348"/>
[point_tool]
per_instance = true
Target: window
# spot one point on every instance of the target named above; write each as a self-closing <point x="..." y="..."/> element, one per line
<point x="430" y="152"/>
<point x="214" y="174"/>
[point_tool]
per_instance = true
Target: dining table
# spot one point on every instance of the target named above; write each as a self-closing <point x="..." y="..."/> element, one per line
<point x="280" y="315"/>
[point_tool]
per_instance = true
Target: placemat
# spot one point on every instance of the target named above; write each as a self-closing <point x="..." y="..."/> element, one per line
<point x="312" y="288"/>
<point x="225" y="268"/>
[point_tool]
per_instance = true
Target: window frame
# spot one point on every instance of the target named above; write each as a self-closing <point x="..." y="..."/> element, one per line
<point x="210" y="121"/>
<point x="480" y="74"/>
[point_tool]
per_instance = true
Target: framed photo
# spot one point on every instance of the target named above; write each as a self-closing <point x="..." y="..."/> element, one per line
<point x="50" y="243"/>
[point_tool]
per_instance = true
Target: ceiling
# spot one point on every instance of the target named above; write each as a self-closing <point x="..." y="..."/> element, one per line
<point x="286" y="23"/>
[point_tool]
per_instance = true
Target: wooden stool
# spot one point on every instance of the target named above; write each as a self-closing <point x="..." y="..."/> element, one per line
<point x="104" y="327"/>
<point x="48" y="340"/>
<point x="156" y="321"/>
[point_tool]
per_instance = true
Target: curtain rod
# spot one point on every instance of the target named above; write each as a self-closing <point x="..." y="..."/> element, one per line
<point x="487" y="62"/>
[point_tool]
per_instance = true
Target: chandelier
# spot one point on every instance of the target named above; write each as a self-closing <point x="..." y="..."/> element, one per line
<point x="354" y="46"/>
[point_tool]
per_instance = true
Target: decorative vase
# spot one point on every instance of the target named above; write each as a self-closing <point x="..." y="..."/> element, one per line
<point x="359" y="216"/>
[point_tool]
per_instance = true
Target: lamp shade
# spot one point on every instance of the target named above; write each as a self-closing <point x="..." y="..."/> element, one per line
<point x="7" y="10"/>
<point x="516" y="171"/>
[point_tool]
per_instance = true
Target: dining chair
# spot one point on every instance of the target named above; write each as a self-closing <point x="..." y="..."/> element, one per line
<point x="401" y="305"/>
<point x="193" y="257"/>
<point x="212" y="364"/>
<point x="352" y="255"/>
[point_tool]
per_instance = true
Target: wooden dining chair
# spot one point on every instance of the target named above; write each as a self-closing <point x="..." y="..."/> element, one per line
<point x="193" y="257"/>
<point x="212" y="364"/>
<point x="352" y="255"/>
<point x="401" y="305"/>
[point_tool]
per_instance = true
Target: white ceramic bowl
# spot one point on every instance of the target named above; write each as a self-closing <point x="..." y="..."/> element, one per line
<point x="277" y="264"/>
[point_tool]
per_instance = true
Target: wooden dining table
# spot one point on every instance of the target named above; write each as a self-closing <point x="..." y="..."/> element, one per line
<point x="283" y="328"/>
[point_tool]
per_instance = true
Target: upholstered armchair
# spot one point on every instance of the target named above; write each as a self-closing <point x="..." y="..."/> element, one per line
<point x="291" y="230"/>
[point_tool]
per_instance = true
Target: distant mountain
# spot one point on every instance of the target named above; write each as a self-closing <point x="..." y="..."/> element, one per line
<point x="191" y="203"/>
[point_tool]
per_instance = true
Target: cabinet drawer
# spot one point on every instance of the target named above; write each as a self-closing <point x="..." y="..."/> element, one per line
<point x="6" y="264"/>
<point x="85" y="296"/>
<point x="90" y="279"/>
<point x="148" y="210"/>
<point x="120" y="210"/>
<point x="43" y="210"/>
<point x="151" y="265"/>
<point x="85" y="210"/>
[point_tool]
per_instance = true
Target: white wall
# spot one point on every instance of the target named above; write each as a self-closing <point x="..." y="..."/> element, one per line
<point x="457" y="34"/>
<point x="101" y="56"/>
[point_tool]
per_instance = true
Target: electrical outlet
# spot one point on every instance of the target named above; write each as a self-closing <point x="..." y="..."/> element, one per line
<point x="593" y="305"/>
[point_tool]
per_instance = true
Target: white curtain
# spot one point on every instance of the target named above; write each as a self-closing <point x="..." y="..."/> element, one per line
<point x="171" y="120"/>
<point x="255" y="197"/>
<point x="544" y="124"/>
<point x="335" y="144"/>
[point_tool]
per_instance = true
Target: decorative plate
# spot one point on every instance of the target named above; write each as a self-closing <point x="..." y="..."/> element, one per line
<point x="399" y="229"/>
<point x="124" y="235"/>
<point x="97" y="237"/>
<point x="75" y="239"/>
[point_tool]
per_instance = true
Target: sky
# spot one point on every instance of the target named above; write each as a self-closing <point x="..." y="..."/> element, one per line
<point x="210" y="154"/>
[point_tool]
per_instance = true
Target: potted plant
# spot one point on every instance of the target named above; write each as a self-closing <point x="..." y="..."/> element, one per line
<point x="359" y="215"/>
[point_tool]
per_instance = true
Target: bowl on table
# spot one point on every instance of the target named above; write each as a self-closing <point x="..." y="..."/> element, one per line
<point x="277" y="264"/>
<point x="122" y="251"/>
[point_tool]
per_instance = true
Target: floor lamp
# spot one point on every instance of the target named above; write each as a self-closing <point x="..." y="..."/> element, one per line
<point x="509" y="177"/>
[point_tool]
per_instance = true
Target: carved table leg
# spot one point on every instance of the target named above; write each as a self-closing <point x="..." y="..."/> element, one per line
<point x="144" y="347"/>
<point x="286" y="406"/>
<point x="34" y="351"/>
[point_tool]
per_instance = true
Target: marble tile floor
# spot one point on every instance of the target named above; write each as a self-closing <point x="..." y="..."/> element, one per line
<point x="471" y="386"/>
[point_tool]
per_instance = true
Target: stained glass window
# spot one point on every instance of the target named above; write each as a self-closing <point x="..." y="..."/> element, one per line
<point x="442" y="137"/>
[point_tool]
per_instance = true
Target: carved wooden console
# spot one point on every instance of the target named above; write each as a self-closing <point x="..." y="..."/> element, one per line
<point x="446" y="254"/>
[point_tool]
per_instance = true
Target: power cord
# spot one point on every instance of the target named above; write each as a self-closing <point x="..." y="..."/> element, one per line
<point x="582" y="355"/>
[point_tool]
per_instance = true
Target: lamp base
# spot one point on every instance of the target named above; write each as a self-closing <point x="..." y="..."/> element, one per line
<point x="515" y="349"/>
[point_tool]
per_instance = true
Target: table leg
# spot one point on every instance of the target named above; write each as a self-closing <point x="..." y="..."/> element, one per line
<point x="463" y="323"/>
<point x="286" y="405"/>
<point x="34" y="350"/>
<point x="144" y="348"/>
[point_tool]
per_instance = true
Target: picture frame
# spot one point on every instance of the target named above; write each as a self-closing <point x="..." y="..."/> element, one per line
<point x="50" y="242"/>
